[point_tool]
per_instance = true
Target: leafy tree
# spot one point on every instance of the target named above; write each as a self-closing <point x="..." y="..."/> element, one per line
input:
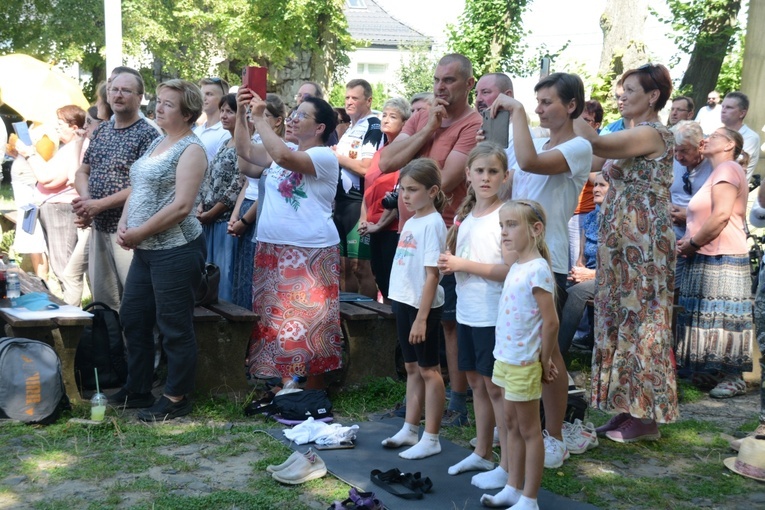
<point x="705" y="29"/>
<point x="729" y="78"/>
<point x="416" y="72"/>
<point x="379" y="95"/>
<point x="489" y="33"/>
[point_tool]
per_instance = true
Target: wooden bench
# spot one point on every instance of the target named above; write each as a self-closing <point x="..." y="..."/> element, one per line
<point x="369" y="332"/>
<point x="223" y="331"/>
<point x="63" y="333"/>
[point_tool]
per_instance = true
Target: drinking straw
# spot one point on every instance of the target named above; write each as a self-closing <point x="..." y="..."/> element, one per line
<point x="98" y="390"/>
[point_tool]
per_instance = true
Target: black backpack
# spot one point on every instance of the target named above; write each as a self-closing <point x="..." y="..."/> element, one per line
<point x="298" y="405"/>
<point x="101" y="346"/>
<point x="31" y="385"/>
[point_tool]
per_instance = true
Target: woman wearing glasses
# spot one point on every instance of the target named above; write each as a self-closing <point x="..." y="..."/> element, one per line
<point x="632" y="372"/>
<point x="295" y="281"/>
<point x="715" y="329"/>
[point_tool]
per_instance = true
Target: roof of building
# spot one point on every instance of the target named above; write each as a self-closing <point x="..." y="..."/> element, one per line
<point x="368" y="21"/>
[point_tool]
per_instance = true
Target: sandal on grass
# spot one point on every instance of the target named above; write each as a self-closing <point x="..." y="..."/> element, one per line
<point x="358" y="501"/>
<point x="729" y="388"/>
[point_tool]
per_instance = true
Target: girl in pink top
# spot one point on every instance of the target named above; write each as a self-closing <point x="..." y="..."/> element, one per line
<point x="715" y="330"/>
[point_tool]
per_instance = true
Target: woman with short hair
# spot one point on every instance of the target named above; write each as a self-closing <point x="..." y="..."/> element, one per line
<point x="159" y="224"/>
<point x="715" y="328"/>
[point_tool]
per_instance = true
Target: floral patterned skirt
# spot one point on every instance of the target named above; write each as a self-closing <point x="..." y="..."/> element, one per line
<point x="295" y="292"/>
<point x="715" y="330"/>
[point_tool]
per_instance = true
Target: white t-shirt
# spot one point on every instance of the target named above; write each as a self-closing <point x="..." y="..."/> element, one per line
<point x="479" y="240"/>
<point x="709" y="118"/>
<point x="421" y="242"/>
<point x="251" y="193"/>
<point x="212" y="137"/>
<point x="518" y="337"/>
<point x="297" y="209"/>
<point x="358" y="144"/>
<point x="558" y="194"/>
<point x="752" y="147"/>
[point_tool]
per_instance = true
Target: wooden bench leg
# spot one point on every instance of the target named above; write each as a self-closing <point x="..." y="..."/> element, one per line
<point x="371" y="346"/>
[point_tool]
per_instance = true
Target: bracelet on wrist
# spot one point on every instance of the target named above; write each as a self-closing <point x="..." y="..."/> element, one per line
<point x="693" y="243"/>
<point x="241" y="218"/>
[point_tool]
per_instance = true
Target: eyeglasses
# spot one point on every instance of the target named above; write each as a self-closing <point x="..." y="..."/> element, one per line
<point x="298" y="115"/>
<point x="648" y="68"/>
<point x="121" y="92"/>
<point x="221" y="83"/>
<point x="687" y="182"/>
<point x="686" y="110"/>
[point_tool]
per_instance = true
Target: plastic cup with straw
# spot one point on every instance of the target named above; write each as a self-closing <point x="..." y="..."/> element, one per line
<point x="98" y="402"/>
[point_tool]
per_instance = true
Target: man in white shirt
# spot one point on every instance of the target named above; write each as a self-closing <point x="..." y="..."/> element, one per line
<point x="733" y="111"/>
<point x="709" y="115"/>
<point x="211" y="133"/>
<point x="354" y="152"/>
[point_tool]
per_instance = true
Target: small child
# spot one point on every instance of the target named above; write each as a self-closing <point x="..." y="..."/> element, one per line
<point x="527" y="332"/>
<point x="477" y="261"/>
<point x="417" y="302"/>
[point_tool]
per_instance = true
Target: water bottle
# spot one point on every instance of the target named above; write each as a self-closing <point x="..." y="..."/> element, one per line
<point x="13" y="284"/>
<point x="291" y="386"/>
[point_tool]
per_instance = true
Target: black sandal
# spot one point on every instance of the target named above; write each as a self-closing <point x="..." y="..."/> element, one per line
<point x="414" y="482"/>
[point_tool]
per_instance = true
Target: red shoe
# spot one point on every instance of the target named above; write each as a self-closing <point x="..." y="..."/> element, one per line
<point x="614" y="423"/>
<point x="635" y="430"/>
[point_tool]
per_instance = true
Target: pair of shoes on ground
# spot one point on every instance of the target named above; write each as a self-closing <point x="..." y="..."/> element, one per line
<point x="728" y="388"/>
<point x="151" y="409"/>
<point x="494" y="440"/>
<point x="358" y="501"/>
<point x="298" y="468"/>
<point x="758" y="433"/>
<point x="452" y="418"/>
<point x="555" y="451"/>
<point x="624" y="428"/>
<point x="579" y="437"/>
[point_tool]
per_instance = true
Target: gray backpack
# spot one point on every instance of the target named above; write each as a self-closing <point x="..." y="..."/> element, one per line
<point x="31" y="385"/>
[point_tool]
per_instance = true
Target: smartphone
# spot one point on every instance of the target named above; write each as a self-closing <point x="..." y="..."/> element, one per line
<point x="254" y="78"/>
<point x="497" y="129"/>
<point x="544" y="68"/>
<point x="22" y="131"/>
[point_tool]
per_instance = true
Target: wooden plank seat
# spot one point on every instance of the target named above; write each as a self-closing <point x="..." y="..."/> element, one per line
<point x="370" y="341"/>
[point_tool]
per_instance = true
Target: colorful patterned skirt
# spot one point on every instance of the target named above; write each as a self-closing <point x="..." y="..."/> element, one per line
<point x="715" y="331"/>
<point x="295" y="292"/>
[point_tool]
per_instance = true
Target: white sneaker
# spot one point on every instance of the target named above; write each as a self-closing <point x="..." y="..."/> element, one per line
<point x="555" y="451"/>
<point x="494" y="442"/>
<point x="579" y="437"/>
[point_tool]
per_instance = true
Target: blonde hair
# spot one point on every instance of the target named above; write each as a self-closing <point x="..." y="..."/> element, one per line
<point x="530" y="212"/>
<point x="425" y="171"/>
<point x="191" y="97"/>
<point x="482" y="150"/>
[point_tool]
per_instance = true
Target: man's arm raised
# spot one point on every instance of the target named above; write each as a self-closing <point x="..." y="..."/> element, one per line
<point x="406" y="147"/>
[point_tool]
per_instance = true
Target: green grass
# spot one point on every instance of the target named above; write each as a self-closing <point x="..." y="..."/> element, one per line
<point x="617" y="476"/>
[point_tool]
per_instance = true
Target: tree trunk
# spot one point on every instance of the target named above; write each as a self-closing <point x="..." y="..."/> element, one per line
<point x="622" y="24"/>
<point x="753" y="75"/>
<point x="710" y="49"/>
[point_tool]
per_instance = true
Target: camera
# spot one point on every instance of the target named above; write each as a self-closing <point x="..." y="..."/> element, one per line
<point x="390" y="201"/>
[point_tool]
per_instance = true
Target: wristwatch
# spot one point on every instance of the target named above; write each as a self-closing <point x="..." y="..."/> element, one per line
<point x="241" y="218"/>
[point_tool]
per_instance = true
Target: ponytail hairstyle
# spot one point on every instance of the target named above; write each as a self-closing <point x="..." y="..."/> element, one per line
<point x="482" y="150"/>
<point x="530" y="212"/>
<point x="740" y="156"/>
<point x="425" y="171"/>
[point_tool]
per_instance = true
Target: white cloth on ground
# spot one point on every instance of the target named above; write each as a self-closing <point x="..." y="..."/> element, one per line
<point x="312" y="431"/>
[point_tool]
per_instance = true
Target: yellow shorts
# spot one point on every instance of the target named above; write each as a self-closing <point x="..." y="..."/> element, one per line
<point x="521" y="383"/>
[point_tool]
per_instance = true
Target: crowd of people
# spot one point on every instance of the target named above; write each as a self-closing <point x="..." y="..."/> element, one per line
<point x="496" y="250"/>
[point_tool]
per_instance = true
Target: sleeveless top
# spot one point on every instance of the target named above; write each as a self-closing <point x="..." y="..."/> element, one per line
<point x="152" y="179"/>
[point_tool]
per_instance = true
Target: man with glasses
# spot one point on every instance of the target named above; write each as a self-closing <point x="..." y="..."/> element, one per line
<point x="102" y="182"/>
<point x="682" y="109"/>
<point x="211" y="132"/>
<point x="691" y="170"/>
<point x="709" y="115"/>
<point x="732" y="114"/>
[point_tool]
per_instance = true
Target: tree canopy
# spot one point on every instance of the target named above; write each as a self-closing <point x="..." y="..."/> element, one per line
<point x="296" y="39"/>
